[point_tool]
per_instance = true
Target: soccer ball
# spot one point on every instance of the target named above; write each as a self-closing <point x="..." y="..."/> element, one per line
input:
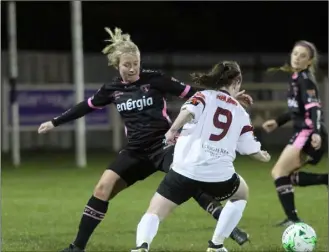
<point x="299" y="237"/>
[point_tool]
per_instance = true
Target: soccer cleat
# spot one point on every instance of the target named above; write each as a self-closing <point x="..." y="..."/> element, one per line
<point x="216" y="248"/>
<point x="287" y="223"/>
<point x="72" y="248"/>
<point x="143" y="248"/>
<point x="239" y="236"/>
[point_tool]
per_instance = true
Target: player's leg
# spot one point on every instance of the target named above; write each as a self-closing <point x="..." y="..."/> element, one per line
<point x="302" y="178"/>
<point x="174" y="190"/>
<point x="291" y="159"/>
<point x="120" y="175"/>
<point x="237" y="191"/>
<point x="214" y="207"/>
<point x="205" y="201"/>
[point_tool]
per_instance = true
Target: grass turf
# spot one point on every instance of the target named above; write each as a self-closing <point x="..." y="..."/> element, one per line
<point x="42" y="202"/>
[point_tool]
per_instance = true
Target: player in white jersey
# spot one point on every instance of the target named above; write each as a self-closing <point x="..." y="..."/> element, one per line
<point x="215" y="126"/>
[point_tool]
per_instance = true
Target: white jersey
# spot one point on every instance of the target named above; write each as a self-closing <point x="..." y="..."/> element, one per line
<point x="206" y="147"/>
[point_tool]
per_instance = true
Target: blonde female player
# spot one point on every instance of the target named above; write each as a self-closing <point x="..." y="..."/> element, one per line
<point x="309" y="140"/>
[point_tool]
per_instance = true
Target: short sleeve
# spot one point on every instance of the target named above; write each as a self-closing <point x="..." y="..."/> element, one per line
<point x="196" y="105"/>
<point x="247" y="143"/>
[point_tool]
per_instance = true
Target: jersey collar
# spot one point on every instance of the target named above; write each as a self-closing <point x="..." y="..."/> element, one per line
<point x="224" y="91"/>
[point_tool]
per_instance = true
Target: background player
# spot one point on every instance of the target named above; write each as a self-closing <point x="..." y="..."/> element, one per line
<point x="215" y="127"/>
<point x="308" y="142"/>
<point x="139" y="97"/>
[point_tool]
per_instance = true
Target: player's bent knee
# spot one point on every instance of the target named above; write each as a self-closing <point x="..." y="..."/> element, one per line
<point x="105" y="185"/>
<point x="289" y="161"/>
<point x="161" y="206"/>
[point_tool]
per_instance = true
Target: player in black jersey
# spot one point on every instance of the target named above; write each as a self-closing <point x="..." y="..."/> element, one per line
<point x="139" y="96"/>
<point x="309" y="140"/>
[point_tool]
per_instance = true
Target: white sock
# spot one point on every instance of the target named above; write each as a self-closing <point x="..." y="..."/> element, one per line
<point x="228" y="220"/>
<point x="147" y="229"/>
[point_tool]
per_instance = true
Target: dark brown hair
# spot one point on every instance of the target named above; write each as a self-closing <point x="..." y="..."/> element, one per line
<point x="221" y="75"/>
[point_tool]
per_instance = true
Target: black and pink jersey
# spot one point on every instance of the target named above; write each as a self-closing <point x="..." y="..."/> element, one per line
<point x="304" y="103"/>
<point x="142" y="106"/>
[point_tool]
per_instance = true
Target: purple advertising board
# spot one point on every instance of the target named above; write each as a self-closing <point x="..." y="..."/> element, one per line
<point x="43" y="104"/>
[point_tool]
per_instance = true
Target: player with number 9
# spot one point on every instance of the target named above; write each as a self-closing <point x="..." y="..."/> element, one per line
<point x="215" y="126"/>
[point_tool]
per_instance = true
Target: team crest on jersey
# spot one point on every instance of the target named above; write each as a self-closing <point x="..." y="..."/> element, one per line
<point x="193" y="101"/>
<point x="145" y="88"/>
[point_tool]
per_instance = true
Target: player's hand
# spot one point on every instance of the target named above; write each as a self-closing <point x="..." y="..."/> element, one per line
<point x="266" y="157"/>
<point x="262" y="156"/>
<point x="316" y="141"/>
<point x="45" y="127"/>
<point x="244" y="99"/>
<point x="171" y="137"/>
<point x="270" y="125"/>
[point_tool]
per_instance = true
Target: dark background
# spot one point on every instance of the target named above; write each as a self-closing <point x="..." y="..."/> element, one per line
<point x="174" y="26"/>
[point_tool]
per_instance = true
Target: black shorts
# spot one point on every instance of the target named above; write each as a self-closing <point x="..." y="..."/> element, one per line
<point x="134" y="165"/>
<point x="179" y="189"/>
<point x="302" y="138"/>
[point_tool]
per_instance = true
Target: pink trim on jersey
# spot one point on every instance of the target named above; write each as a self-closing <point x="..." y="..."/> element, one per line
<point x="302" y="138"/>
<point x="185" y="92"/>
<point x="309" y="122"/>
<point x="311" y="105"/>
<point x="294" y="76"/>
<point x="91" y="105"/>
<point x="164" y="111"/>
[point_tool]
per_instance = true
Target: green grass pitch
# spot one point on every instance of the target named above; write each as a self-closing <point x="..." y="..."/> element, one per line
<point x="42" y="202"/>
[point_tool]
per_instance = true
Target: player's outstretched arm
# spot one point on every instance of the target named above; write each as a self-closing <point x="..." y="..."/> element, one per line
<point x="184" y="116"/>
<point x="271" y="125"/>
<point x="73" y="113"/>
<point x="191" y="110"/>
<point x="101" y="98"/>
<point x="262" y="156"/>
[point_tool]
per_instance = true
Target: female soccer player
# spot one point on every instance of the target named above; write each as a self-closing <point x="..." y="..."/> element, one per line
<point x="308" y="142"/>
<point x="215" y="127"/>
<point x="139" y="96"/>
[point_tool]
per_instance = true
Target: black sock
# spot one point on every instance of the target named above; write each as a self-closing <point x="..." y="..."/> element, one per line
<point x="286" y="195"/>
<point x="209" y="204"/>
<point x="93" y="214"/>
<point x="308" y="179"/>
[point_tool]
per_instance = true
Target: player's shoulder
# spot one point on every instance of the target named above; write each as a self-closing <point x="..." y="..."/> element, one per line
<point x="151" y="73"/>
<point x="305" y="77"/>
<point x="113" y="84"/>
<point x="205" y="93"/>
